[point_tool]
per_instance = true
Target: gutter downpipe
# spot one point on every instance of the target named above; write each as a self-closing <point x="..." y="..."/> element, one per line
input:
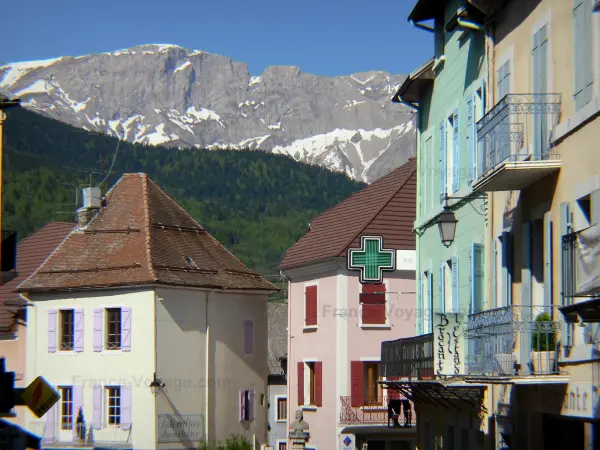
<point x="289" y="342"/>
<point x="422" y="27"/>
<point x="398" y="99"/>
<point x="27" y="375"/>
<point x="207" y="368"/>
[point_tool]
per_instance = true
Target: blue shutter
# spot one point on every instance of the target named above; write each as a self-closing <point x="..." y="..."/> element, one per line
<point x="455" y="286"/>
<point x="494" y="275"/>
<point x="548" y="278"/>
<point x="582" y="25"/>
<point x="477" y="277"/>
<point x="483" y="93"/>
<point x="456" y="153"/>
<point x="443" y="189"/>
<point x="442" y="289"/>
<point x="595" y="207"/>
<point x="471" y="135"/>
<point x="588" y="39"/>
<point x="539" y="55"/>
<point x="429" y="318"/>
<point x="421" y="303"/>
<point x="506" y="268"/>
<point x="565" y="219"/>
<point x="526" y="264"/>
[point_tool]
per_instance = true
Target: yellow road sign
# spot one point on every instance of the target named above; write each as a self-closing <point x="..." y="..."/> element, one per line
<point x="40" y="396"/>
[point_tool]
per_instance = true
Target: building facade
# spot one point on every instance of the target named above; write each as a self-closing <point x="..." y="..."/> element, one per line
<point x="277" y="380"/>
<point x="336" y="324"/>
<point x="148" y="328"/>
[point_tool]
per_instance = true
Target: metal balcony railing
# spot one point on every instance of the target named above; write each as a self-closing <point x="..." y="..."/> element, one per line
<point x="513" y="340"/>
<point x="382" y="411"/>
<point x="517" y="129"/>
<point x="107" y="435"/>
<point x="408" y="357"/>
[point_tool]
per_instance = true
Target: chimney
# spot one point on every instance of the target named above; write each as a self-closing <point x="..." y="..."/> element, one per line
<point x="91" y="205"/>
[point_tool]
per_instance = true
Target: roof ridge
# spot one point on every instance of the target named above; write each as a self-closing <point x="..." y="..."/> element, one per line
<point x="384" y="204"/>
<point x="146" y="201"/>
<point x="172" y="201"/>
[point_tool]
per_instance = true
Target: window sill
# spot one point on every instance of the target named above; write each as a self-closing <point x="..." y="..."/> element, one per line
<point x="280" y="421"/>
<point x="67" y="352"/>
<point x="309" y="408"/>
<point x="310" y="328"/>
<point x="375" y="326"/>
<point x="571" y="124"/>
<point x="111" y="352"/>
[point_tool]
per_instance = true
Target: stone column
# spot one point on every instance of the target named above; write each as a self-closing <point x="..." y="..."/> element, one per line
<point x="299" y="434"/>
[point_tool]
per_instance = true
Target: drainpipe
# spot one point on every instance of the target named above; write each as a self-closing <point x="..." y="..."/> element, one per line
<point x="467" y="24"/>
<point x="421" y="26"/>
<point x="207" y="367"/>
<point x="289" y="340"/>
<point x="35" y="340"/>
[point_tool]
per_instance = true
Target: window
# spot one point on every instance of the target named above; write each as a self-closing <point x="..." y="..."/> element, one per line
<point x="282" y="446"/>
<point x="584" y="52"/>
<point x="372" y="302"/>
<point x="310" y="383"/>
<point x="282" y="409"/>
<point x="246" y="405"/>
<point x="449" y="156"/>
<point x="449" y="286"/>
<point x="67" y="329"/>
<point x="113" y="395"/>
<point x="248" y="337"/>
<point x="503" y="80"/>
<point x="113" y="327"/>
<point x="310" y="309"/>
<point x="66" y="408"/>
<point x="372" y="389"/>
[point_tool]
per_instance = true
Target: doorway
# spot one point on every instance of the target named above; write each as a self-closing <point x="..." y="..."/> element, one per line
<point x="376" y="445"/>
<point x="561" y="434"/>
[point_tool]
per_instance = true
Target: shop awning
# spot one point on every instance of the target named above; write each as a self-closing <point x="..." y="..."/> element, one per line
<point x="11" y="434"/>
<point x="588" y="311"/>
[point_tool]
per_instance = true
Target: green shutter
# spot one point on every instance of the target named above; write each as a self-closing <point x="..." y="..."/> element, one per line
<point x="443" y="189"/>
<point x="442" y="289"/>
<point x="548" y="278"/>
<point x="471" y="106"/>
<point x="456" y="153"/>
<point x="420" y="303"/>
<point x="595" y="207"/>
<point x="429" y="319"/>
<point x="455" y="286"/>
<point x="477" y="277"/>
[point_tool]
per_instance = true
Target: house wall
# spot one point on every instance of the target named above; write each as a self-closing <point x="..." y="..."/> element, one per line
<point x="13" y="349"/>
<point x="89" y="368"/>
<point x="279" y="429"/>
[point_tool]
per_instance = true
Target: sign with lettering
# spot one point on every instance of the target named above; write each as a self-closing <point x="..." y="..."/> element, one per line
<point x="580" y="400"/>
<point x="180" y="428"/>
<point x="449" y="344"/>
<point x="406" y="260"/>
<point x="40" y="396"/>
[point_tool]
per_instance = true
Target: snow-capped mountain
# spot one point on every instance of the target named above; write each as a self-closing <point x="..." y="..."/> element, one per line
<point x="168" y="95"/>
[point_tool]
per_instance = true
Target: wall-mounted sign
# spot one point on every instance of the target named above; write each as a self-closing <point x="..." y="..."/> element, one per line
<point x="448" y="344"/>
<point x="371" y="259"/>
<point x="180" y="428"/>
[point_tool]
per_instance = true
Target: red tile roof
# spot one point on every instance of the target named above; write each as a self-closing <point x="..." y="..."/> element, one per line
<point x="31" y="253"/>
<point x="142" y="237"/>
<point x="385" y="208"/>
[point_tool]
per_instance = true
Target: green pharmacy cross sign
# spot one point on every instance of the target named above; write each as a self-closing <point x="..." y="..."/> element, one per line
<point x="371" y="259"/>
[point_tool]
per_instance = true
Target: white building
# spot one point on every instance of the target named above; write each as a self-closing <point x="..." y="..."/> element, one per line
<point x="141" y="292"/>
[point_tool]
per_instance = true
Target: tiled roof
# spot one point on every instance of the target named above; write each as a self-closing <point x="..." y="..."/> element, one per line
<point x="142" y="237"/>
<point x="278" y="336"/>
<point x="31" y="253"/>
<point x="385" y="208"/>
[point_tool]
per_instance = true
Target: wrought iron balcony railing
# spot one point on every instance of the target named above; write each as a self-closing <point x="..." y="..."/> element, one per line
<point x="518" y="128"/>
<point x="382" y="411"/>
<point x="513" y="340"/>
<point x="62" y="436"/>
<point x="408" y="357"/>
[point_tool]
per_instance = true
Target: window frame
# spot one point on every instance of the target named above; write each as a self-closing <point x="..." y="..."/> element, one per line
<point x="68" y="403"/>
<point x="61" y="329"/>
<point x="368" y="387"/>
<point x="119" y="407"/>
<point x="118" y="332"/>
<point x="280" y="442"/>
<point x="279" y="398"/>
<point x="305" y="317"/>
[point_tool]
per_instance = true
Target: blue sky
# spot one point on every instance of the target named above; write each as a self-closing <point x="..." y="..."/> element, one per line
<point x="325" y="37"/>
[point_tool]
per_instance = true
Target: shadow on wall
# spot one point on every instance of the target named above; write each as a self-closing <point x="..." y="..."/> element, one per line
<point x="475" y="59"/>
<point x="513" y="16"/>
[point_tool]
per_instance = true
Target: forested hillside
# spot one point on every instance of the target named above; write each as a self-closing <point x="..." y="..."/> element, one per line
<point x="257" y="204"/>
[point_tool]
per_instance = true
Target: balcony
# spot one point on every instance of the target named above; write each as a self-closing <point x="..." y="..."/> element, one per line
<point x="389" y="411"/>
<point x="107" y="436"/>
<point x="513" y="142"/>
<point x="408" y="358"/>
<point x="513" y="341"/>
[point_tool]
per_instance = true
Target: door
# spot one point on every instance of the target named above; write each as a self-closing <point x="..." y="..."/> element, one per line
<point x="540" y="88"/>
<point x="376" y="445"/>
<point x="66" y="419"/>
<point x="561" y="434"/>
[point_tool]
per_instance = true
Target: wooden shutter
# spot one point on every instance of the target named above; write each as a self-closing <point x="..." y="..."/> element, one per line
<point x="429" y="316"/>
<point x="456" y="153"/>
<point x="357" y="383"/>
<point x="372" y="300"/>
<point x="251" y="404"/>
<point x="494" y="274"/>
<point x="318" y="383"/>
<point x="471" y="136"/>
<point x="526" y="264"/>
<point x="98" y="315"/>
<point x="442" y="286"/>
<point x="97" y="405"/>
<point x="421" y="303"/>
<point x="52" y="319"/>
<point x="300" y="383"/>
<point x="50" y="425"/>
<point x="125" y="407"/>
<point x="506" y="280"/>
<point x="548" y="278"/>
<point x="455" y="286"/>
<point x="477" y="277"/>
<point x="311" y="305"/>
<point x="584" y="71"/>
<point x="77" y="399"/>
<point x="126" y="329"/>
<point x="443" y="189"/>
<point x="242" y="405"/>
<point x="78" y="330"/>
<point x="540" y="76"/>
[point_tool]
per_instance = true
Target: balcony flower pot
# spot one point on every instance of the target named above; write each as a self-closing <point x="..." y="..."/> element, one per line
<point x="543" y="345"/>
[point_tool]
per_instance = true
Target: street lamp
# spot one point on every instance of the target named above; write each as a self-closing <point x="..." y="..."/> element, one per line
<point x="156" y="385"/>
<point x="447" y="225"/>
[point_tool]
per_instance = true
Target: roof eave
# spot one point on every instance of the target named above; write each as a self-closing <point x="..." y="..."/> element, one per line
<point x="426" y="10"/>
<point x="410" y="91"/>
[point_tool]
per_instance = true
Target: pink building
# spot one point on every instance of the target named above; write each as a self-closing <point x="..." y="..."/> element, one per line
<point x="337" y="324"/>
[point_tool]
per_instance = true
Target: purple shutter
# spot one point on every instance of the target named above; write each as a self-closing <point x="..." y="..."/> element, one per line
<point x="248" y="337"/>
<point x="98" y="329"/>
<point x="251" y="398"/>
<point x="126" y="407"/>
<point x="52" y="330"/>
<point x="97" y="418"/>
<point x="50" y="425"/>
<point x="242" y="405"/>
<point x="126" y="329"/>
<point x="78" y="329"/>
<point x="77" y="400"/>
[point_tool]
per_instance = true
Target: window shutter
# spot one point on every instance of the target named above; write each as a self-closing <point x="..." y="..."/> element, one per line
<point x="443" y="189"/>
<point x="494" y="274"/>
<point x="77" y="400"/>
<point x="52" y="318"/>
<point x="248" y="337"/>
<point x="442" y="288"/>
<point x="98" y="313"/>
<point x="477" y="277"/>
<point x="311" y="305"/>
<point x="242" y="396"/>
<point x="455" y="286"/>
<point x="565" y="218"/>
<point x="588" y="78"/>
<point x="429" y="316"/>
<point x="300" y="383"/>
<point x="373" y="304"/>
<point x="421" y="303"/>
<point x="548" y="278"/>
<point x="125" y="407"/>
<point x="97" y="417"/>
<point x="79" y="329"/>
<point x="505" y="288"/>
<point x="251" y="404"/>
<point x="357" y="383"/>
<point x="526" y="266"/>
<point x="50" y="425"/>
<point x="582" y="26"/>
<point x="318" y="383"/>
<point x="595" y="206"/>
<point x="471" y="105"/>
<point x="126" y="329"/>
<point x="456" y="154"/>
<point x="483" y="102"/>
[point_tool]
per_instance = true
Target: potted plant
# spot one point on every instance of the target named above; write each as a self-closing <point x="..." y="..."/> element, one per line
<point x="543" y="345"/>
